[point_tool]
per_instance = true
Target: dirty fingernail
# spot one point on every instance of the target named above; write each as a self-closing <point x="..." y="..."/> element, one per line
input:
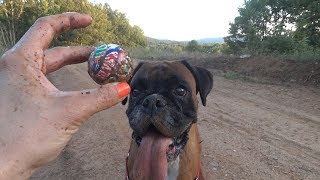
<point x="123" y="89"/>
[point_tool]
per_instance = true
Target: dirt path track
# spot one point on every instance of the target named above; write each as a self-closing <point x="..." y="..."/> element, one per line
<point x="249" y="131"/>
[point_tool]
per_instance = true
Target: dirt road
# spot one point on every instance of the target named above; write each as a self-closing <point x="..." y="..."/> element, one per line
<point x="249" y="131"/>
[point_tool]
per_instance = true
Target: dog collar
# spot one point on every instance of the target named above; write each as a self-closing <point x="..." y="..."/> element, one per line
<point x="127" y="170"/>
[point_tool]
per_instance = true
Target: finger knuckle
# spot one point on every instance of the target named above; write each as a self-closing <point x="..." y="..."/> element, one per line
<point x="42" y="20"/>
<point x="43" y="23"/>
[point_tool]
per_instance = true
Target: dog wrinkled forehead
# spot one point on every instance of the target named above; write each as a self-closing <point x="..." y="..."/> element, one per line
<point x="163" y="71"/>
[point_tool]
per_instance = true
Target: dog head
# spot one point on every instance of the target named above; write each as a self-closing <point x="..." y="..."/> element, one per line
<point x="163" y="104"/>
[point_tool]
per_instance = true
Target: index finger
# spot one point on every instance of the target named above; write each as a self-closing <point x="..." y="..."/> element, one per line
<point x="43" y="30"/>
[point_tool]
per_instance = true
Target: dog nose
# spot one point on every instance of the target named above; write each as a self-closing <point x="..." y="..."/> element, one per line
<point x="154" y="101"/>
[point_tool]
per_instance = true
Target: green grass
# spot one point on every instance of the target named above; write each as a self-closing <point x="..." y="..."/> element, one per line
<point x="305" y="56"/>
<point x="232" y="75"/>
<point x="237" y="76"/>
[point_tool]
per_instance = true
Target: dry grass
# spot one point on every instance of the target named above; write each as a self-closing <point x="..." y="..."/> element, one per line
<point x="306" y="55"/>
<point x="2" y="50"/>
<point x="167" y="54"/>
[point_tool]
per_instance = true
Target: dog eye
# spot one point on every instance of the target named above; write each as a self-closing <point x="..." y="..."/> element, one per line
<point x="180" y="91"/>
<point x="135" y="92"/>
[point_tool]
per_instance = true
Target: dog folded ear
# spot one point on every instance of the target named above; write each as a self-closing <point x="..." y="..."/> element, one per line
<point x="129" y="81"/>
<point x="204" y="80"/>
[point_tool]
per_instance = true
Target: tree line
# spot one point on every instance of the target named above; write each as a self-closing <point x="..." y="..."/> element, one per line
<point x="262" y="27"/>
<point x="275" y="26"/>
<point x="108" y="26"/>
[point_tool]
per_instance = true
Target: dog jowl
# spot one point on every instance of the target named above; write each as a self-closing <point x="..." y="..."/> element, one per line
<point x="162" y="113"/>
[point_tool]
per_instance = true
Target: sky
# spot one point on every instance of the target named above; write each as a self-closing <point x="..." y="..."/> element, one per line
<point x="180" y="20"/>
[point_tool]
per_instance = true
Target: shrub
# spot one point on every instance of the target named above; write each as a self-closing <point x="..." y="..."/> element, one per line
<point x="304" y="55"/>
<point x="279" y="44"/>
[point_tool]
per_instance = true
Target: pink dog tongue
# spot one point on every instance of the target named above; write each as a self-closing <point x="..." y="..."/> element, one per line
<point x="151" y="160"/>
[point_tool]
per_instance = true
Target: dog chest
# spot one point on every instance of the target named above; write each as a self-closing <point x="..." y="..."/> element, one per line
<point x="173" y="169"/>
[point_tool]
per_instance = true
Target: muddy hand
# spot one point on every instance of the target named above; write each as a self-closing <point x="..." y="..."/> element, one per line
<point x="36" y="119"/>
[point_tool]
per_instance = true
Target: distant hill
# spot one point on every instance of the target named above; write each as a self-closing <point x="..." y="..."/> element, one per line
<point x="211" y="40"/>
<point x="158" y="41"/>
<point x="201" y="41"/>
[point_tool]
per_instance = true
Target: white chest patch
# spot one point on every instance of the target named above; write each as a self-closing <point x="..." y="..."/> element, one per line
<point x="173" y="169"/>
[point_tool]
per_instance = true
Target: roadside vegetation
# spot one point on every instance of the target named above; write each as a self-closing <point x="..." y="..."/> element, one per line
<point x="288" y="29"/>
<point x="178" y="50"/>
<point x="283" y="29"/>
<point x="231" y="75"/>
<point x="280" y="29"/>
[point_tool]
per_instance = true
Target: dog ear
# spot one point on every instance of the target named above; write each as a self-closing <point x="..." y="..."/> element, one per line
<point x="129" y="81"/>
<point x="204" y="80"/>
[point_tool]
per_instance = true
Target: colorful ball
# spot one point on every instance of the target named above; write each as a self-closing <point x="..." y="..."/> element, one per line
<point x="110" y="63"/>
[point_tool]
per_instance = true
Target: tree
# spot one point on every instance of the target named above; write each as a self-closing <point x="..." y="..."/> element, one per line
<point x="264" y="26"/>
<point x="10" y="13"/>
<point x="122" y="32"/>
<point x="192" y="46"/>
<point x="108" y="26"/>
<point x="308" y="21"/>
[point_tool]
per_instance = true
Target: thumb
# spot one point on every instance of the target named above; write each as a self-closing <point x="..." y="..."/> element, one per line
<point x="87" y="102"/>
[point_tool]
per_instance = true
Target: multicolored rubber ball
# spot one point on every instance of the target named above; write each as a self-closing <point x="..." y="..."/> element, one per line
<point x="110" y="63"/>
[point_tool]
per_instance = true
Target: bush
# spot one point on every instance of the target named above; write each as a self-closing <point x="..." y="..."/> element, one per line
<point x="299" y="52"/>
<point x="304" y="55"/>
<point x="278" y="44"/>
<point x="193" y="46"/>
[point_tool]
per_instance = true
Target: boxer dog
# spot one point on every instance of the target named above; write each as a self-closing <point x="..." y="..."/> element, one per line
<point x="162" y="113"/>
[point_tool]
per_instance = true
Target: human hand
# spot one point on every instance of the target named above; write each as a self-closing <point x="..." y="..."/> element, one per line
<point x="36" y="119"/>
